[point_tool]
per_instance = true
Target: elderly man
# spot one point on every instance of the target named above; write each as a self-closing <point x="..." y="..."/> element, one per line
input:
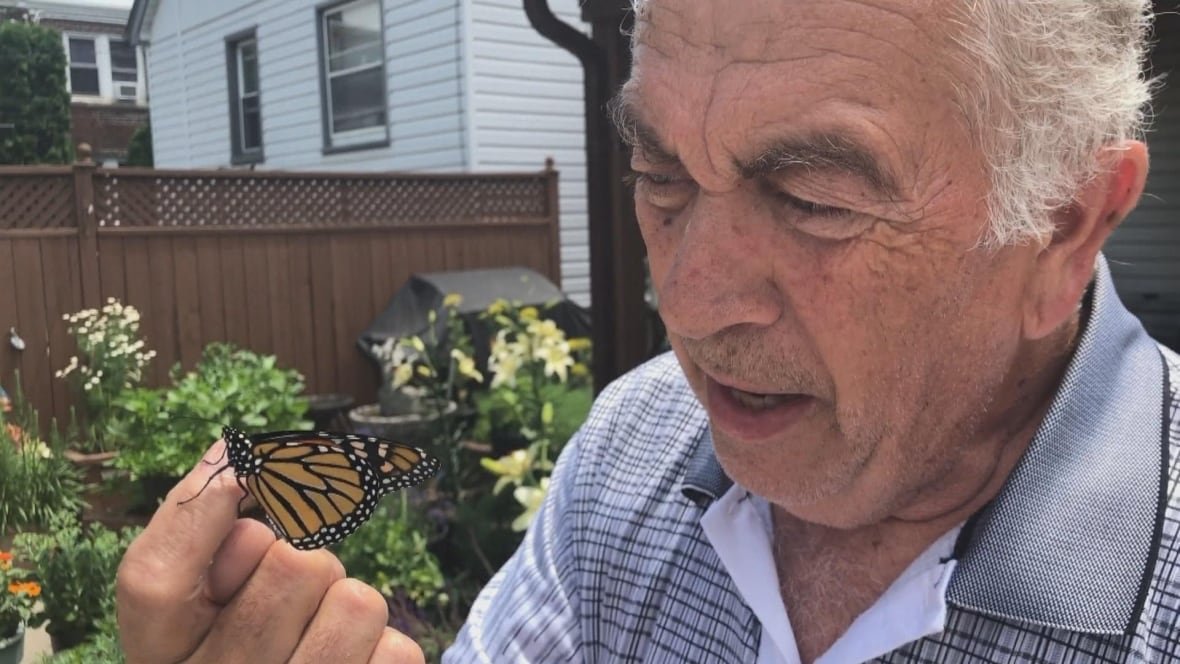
<point x="907" y="418"/>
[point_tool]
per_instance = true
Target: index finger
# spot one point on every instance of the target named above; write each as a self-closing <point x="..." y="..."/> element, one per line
<point x="182" y="539"/>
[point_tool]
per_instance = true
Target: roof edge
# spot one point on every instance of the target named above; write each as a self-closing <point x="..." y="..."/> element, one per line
<point x="134" y="28"/>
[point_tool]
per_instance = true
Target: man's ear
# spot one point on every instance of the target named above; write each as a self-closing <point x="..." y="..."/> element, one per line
<point x="1065" y="265"/>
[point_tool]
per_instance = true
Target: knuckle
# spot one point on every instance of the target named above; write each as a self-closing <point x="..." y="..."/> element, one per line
<point x="141" y="582"/>
<point x="317" y="571"/>
<point x="359" y="600"/>
<point x="397" y="647"/>
<point x="318" y="565"/>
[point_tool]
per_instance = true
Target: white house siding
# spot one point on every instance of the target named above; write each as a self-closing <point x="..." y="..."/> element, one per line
<point x="526" y="102"/>
<point x="444" y="58"/>
<point x="190" y="97"/>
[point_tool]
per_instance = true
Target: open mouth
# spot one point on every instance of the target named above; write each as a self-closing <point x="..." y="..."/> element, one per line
<point x="753" y="415"/>
<point x="755" y="401"/>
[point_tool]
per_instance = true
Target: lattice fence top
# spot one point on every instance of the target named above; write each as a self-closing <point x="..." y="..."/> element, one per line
<point x="281" y="199"/>
<point x="37" y="201"/>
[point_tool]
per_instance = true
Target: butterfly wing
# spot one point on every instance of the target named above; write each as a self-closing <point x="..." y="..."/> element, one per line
<point x="397" y="465"/>
<point x="317" y="488"/>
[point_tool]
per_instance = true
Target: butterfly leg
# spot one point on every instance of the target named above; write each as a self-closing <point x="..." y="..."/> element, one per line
<point x="242" y="500"/>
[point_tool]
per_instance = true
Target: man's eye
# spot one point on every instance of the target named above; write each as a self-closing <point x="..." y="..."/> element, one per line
<point x="655" y="179"/>
<point x="825" y="222"/>
<point x="808" y="208"/>
<point x="662" y="190"/>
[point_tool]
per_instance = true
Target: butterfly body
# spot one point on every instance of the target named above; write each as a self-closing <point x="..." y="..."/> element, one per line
<point x="317" y="487"/>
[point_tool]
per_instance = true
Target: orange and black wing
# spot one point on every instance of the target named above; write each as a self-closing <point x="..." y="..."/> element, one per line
<point x="317" y="488"/>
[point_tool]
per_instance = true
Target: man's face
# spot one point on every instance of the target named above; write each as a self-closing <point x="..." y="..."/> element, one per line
<point x="811" y="199"/>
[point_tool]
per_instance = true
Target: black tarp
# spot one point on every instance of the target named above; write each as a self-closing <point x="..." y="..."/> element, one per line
<point x="408" y="310"/>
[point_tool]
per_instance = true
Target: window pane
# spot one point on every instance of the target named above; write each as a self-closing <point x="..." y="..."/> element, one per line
<point x="83" y="81"/>
<point x="123" y="75"/>
<point x="123" y="56"/>
<point x="82" y="51"/>
<point x="357" y="100"/>
<point x="354" y="36"/>
<point x="248" y="51"/>
<point x="251" y="128"/>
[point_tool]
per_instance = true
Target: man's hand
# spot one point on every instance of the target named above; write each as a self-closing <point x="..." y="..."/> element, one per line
<point x="202" y="585"/>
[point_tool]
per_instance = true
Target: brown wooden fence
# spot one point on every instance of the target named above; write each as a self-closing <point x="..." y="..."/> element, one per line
<point x="294" y="264"/>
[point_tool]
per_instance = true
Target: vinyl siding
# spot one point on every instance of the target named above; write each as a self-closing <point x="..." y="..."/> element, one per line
<point x="471" y="87"/>
<point x="190" y="97"/>
<point x="1144" y="253"/>
<point x="526" y="100"/>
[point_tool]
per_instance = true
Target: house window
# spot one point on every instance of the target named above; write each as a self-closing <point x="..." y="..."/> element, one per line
<point x="83" y="66"/>
<point x="102" y="68"/>
<point x="352" y="54"/>
<point x="124" y="70"/>
<point x="245" y="104"/>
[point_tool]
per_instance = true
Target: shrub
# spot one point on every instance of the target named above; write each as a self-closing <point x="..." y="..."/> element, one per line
<point x="139" y="150"/>
<point x="111" y="360"/>
<point x="165" y="432"/>
<point x="389" y="552"/>
<point x="76" y="566"/>
<point x="537" y="395"/>
<point x="33" y="96"/>
<point x="38" y="481"/>
<point x="18" y="596"/>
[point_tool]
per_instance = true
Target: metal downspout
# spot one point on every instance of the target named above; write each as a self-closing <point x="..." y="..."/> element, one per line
<point x="598" y="144"/>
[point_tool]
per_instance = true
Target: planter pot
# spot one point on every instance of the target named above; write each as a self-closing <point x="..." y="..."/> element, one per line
<point x="91" y="465"/>
<point x="416" y="429"/>
<point x="12" y="648"/>
<point x="329" y="412"/>
<point x="108" y="491"/>
<point x="68" y="639"/>
<point x="402" y="401"/>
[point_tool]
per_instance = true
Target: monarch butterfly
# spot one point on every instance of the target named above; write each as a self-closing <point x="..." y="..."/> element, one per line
<point x="317" y="487"/>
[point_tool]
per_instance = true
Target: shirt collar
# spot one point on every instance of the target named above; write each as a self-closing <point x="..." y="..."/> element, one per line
<point x="1070" y="541"/>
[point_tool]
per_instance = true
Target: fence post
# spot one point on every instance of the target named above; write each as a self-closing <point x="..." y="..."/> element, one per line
<point x="551" y="184"/>
<point x="87" y="222"/>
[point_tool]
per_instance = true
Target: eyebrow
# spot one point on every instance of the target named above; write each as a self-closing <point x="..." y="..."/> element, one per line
<point x="634" y="132"/>
<point x="823" y="150"/>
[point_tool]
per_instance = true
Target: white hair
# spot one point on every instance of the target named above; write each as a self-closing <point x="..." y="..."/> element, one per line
<point x="1054" y="81"/>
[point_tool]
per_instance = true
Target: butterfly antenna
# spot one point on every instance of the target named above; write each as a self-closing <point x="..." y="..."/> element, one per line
<point x="203" y="420"/>
<point x="206" y="485"/>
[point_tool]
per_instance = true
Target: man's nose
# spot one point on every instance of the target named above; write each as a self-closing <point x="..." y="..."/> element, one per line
<point x="720" y="272"/>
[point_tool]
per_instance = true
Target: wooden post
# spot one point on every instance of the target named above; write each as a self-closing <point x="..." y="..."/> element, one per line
<point x="87" y="222"/>
<point x="551" y="185"/>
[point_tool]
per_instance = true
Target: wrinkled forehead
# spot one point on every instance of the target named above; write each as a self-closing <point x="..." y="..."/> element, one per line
<point x="717" y="73"/>
<point x="757" y="29"/>
<point x="905" y="39"/>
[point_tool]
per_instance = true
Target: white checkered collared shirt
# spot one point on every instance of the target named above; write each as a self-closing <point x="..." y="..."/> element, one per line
<point x="1076" y="560"/>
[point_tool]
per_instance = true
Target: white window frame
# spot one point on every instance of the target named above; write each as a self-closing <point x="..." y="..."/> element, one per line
<point x="365" y="136"/>
<point x="97" y="67"/>
<point x="116" y="82"/>
<point x="242" y="151"/>
<point x="106" y="82"/>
